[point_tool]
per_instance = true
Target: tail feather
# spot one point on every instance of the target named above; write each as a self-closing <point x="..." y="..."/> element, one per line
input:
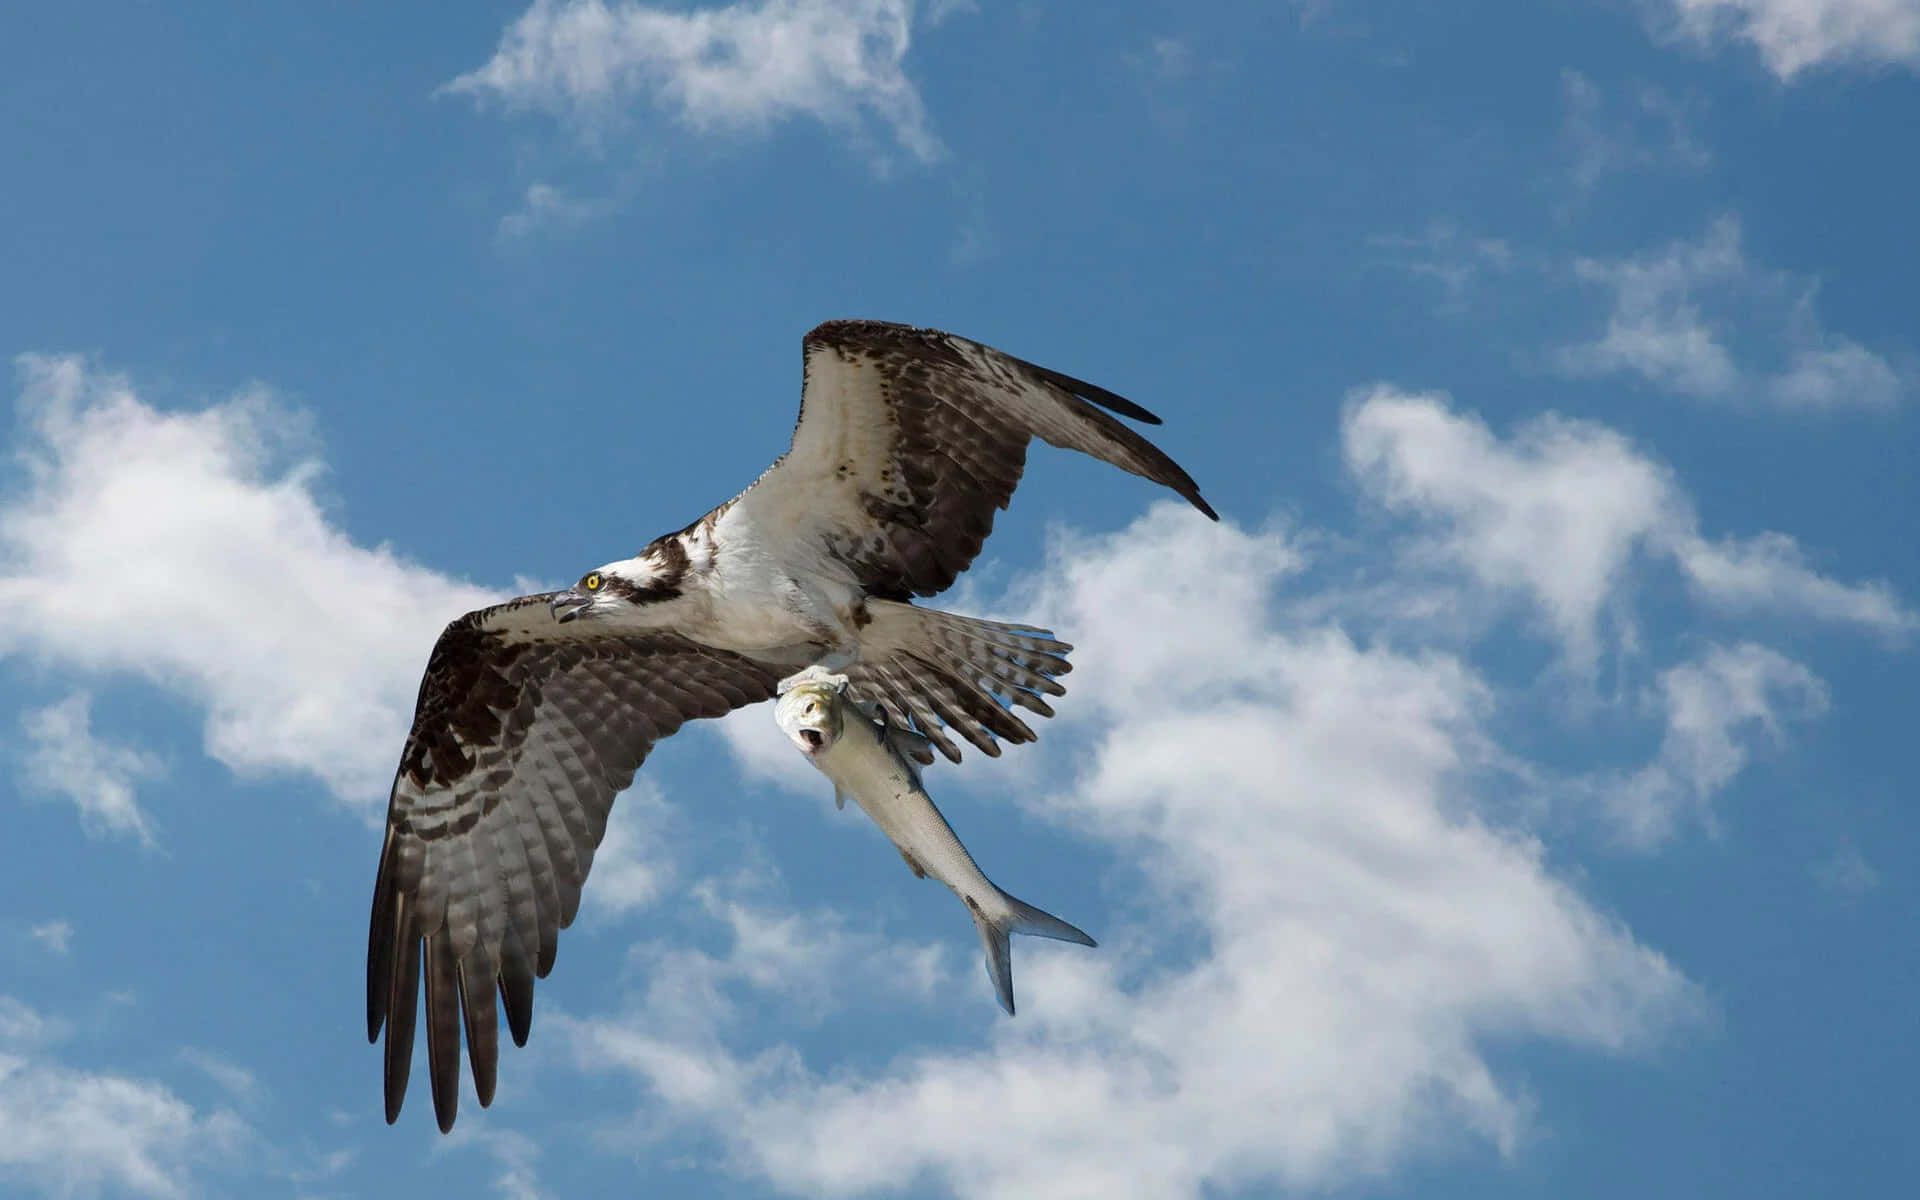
<point x="945" y="671"/>
<point x="1017" y="917"/>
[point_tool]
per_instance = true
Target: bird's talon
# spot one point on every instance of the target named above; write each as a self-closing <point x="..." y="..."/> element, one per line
<point x="815" y="674"/>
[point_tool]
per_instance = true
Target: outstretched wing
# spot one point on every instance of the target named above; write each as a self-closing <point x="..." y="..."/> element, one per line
<point x="524" y="731"/>
<point x="909" y="441"/>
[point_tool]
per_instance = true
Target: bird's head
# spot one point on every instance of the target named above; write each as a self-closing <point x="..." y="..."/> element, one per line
<point x="621" y="588"/>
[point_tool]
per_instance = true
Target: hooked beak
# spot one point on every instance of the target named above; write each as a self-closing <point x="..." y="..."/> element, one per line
<point x="568" y="604"/>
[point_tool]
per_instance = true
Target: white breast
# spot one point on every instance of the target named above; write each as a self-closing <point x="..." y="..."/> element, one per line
<point x="760" y="600"/>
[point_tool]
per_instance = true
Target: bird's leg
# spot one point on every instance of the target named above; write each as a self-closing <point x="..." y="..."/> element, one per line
<point x="826" y="670"/>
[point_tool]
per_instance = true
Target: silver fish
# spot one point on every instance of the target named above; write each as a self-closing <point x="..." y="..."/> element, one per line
<point x="873" y="763"/>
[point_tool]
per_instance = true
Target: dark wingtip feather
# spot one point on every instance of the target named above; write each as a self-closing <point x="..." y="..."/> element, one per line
<point x="516" y="996"/>
<point x="402" y="999"/>
<point x="380" y="944"/>
<point x="443" y="1030"/>
<point x="481" y="1004"/>
<point x="1093" y="393"/>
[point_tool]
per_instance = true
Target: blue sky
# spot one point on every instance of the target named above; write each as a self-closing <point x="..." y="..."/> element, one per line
<point x="1510" y="797"/>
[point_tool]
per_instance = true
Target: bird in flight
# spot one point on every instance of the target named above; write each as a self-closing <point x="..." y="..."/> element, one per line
<point x="533" y="714"/>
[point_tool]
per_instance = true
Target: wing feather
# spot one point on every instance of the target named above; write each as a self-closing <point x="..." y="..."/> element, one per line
<point x="443" y="1028"/>
<point x="516" y="987"/>
<point x="524" y="732"/>
<point x="403" y="986"/>
<point x="910" y="440"/>
<point x="908" y="444"/>
<point x="482" y="1009"/>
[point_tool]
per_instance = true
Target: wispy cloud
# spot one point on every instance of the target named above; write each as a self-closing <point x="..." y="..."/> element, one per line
<point x="1714" y="706"/>
<point x="549" y="209"/>
<point x="65" y="758"/>
<point x="1795" y="35"/>
<point x="519" y="1159"/>
<point x="79" y="1132"/>
<point x="1768" y="573"/>
<point x="1456" y="260"/>
<point x="1663" y="328"/>
<point x="1558" y="512"/>
<point x="237" y="1081"/>
<point x="1640" y="128"/>
<point x="1847" y="872"/>
<point x="303" y="648"/>
<point x="741" y="67"/>
<point x="21" y="1026"/>
<point x="55" y="935"/>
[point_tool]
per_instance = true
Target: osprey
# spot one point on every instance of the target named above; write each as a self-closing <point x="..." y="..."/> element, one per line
<point x="534" y="713"/>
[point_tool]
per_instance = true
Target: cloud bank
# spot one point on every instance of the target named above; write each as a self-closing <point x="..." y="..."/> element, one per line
<point x="303" y="649"/>
<point x="1332" y="926"/>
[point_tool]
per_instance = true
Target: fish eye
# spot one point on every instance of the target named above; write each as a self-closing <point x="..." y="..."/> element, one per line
<point x="592" y="581"/>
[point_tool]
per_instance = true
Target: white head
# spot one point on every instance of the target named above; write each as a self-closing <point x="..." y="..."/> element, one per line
<point x="620" y="588"/>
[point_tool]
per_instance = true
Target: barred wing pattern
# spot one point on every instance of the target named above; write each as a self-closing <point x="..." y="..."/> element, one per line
<point x="524" y="731"/>
<point x="910" y="440"/>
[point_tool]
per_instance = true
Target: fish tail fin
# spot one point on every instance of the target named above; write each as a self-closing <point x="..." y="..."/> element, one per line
<point x="1015" y="916"/>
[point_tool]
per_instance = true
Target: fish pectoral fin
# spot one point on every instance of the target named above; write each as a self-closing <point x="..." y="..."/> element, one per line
<point x="839" y="797"/>
<point x="913" y="864"/>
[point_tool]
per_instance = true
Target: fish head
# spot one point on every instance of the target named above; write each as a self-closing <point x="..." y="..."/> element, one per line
<point x="810" y="713"/>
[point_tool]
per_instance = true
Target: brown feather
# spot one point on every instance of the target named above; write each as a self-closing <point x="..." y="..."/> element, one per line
<point x="524" y="731"/>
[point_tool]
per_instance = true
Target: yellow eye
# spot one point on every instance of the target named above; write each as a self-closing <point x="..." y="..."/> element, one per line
<point x="591" y="582"/>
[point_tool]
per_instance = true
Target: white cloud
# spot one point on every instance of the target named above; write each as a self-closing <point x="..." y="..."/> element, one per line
<point x="1166" y="59"/>
<point x="1663" y="328"/>
<point x="1793" y="35"/>
<point x="1451" y="258"/>
<point x="1555" y="513"/>
<point x="21" y="1025"/>
<point x="1644" y="129"/>
<point x="65" y="758"/>
<point x="546" y="208"/>
<point x="236" y="1080"/>
<point x="1558" y="513"/>
<point x="1656" y="329"/>
<point x="55" y="935"/>
<point x="744" y="66"/>
<point x="1331" y="930"/>
<point x="1830" y="372"/>
<point x="1713" y="706"/>
<point x="189" y="548"/>
<point x="69" y="1131"/>
<point x="814" y="961"/>
<point x="1847" y="872"/>
<point x="634" y="863"/>
<point x="1769" y="573"/>
<point x="517" y="1155"/>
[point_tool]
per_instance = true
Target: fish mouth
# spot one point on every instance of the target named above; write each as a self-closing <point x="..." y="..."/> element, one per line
<point x="814" y="739"/>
